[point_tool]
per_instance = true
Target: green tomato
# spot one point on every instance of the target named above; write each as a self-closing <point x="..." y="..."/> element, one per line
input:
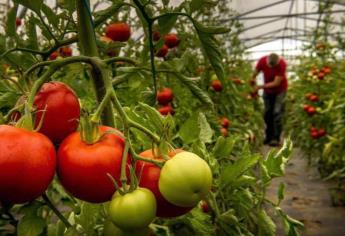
<point x="133" y="210"/>
<point x="112" y="230"/>
<point x="214" y="77"/>
<point x="185" y="179"/>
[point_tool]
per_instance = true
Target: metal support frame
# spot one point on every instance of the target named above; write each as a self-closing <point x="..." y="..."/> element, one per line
<point x="289" y="15"/>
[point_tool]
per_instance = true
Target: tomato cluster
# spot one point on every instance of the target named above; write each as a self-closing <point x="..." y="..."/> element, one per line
<point x="170" y="41"/>
<point x="164" y="98"/>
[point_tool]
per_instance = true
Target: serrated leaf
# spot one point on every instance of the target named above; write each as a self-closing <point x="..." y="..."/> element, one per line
<point x="190" y="130"/>
<point x="233" y="171"/>
<point x="276" y="161"/>
<point x="198" y="92"/>
<point x="211" y="29"/>
<point x="31" y="226"/>
<point x="265" y="224"/>
<point x="281" y="191"/>
<point x="33" y="5"/>
<point x="153" y="116"/>
<point x="53" y="19"/>
<point x="166" y="23"/>
<point x="32" y="34"/>
<point x="206" y="132"/>
<point x="223" y="146"/>
<point x="11" y="22"/>
<point x="88" y="216"/>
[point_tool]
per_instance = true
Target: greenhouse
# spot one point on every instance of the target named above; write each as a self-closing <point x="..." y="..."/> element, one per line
<point x="172" y="118"/>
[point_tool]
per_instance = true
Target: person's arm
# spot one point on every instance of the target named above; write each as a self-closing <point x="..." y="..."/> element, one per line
<point x="275" y="83"/>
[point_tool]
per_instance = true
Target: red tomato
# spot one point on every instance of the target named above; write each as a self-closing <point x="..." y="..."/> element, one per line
<point x="156" y="35"/>
<point x="171" y="40"/>
<point x="204" y="206"/>
<point x="238" y="81"/>
<point x="53" y="56"/>
<point x="311" y="110"/>
<point x="225" y="122"/>
<point x="18" y="21"/>
<point x="321" y="76"/>
<point x="313" y="129"/>
<point x="314" y="98"/>
<point x="62" y="110"/>
<point x="27" y="164"/>
<point x="82" y="168"/>
<point x="217" y="85"/>
<point x="326" y="70"/>
<point x="165" y="96"/>
<point x="165" y="110"/>
<point x="149" y="177"/>
<point x="322" y="132"/>
<point x="66" y="51"/>
<point x="314" y="135"/>
<point x="224" y="132"/>
<point x="306" y="108"/>
<point x="163" y="51"/>
<point x="118" y="31"/>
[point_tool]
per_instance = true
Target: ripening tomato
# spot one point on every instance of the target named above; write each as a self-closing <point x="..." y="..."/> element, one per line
<point x="118" y="32"/>
<point x="62" y="110"/>
<point x="66" y="51"/>
<point x="134" y="210"/>
<point x="165" y="96"/>
<point x="54" y="55"/>
<point x="305" y="107"/>
<point x="27" y="164"/>
<point x="171" y="40"/>
<point x="224" y="132"/>
<point x="163" y="51"/>
<point x="217" y="85"/>
<point x="149" y="176"/>
<point x="204" y="207"/>
<point x="83" y="168"/>
<point x="322" y="132"/>
<point x="18" y="21"/>
<point x="238" y="81"/>
<point x="326" y="70"/>
<point x="321" y="76"/>
<point x="313" y="129"/>
<point x="167" y="109"/>
<point x="225" y="122"/>
<point x="156" y="36"/>
<point x="185" y="179"/>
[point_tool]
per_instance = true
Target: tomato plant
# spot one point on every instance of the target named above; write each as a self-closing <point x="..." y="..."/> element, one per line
<point x="110" y="67"/>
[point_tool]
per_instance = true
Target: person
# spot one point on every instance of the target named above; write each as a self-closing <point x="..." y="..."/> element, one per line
<point x="275" y="86"/>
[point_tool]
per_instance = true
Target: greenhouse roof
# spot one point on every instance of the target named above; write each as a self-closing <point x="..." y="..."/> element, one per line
<point x="284" y="25"/>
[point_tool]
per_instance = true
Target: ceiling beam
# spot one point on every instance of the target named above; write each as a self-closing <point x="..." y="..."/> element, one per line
<point x="261" y="8"/>
<point x="289" y="15"/>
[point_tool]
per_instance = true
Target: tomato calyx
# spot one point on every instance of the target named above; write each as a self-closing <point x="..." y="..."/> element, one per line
<point x="89" y="131"/>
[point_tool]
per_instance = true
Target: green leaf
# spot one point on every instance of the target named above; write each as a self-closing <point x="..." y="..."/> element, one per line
<point x="281" y="191"/>
<point x="265" y="224"/>
<point x="31" y="226"/>
<point x="11" y="22"/>
<point x="101" y="16"/>
<point x="154" y="116"/>
<point x="33" y="5"/>
<point x="233" y="171"/>
<point x="211" y="29"/>
<point x="166" y="23"/>
<point x="211" y="48"/>
<point x="32" y="34"/>
<point x="190" y="130"/>
<point x="89" y="215"/>
<point x="206" y="132"/>
<point x="275" y="162"/>
<point x="198" y="92"/>
<point x="53" y="19"/>
<point x="223" y="146"/>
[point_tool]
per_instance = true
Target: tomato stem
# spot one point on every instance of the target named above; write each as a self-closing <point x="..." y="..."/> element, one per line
<point x="56" y="211"/>
<point x="149" y="22"/>
<point x="123" y="177"/>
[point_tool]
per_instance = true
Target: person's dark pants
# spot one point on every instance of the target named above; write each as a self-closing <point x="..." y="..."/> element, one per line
<point x="274" y="110"/>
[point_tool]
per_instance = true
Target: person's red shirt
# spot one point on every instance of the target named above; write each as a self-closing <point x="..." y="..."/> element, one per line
<point x="271" y="72"/>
